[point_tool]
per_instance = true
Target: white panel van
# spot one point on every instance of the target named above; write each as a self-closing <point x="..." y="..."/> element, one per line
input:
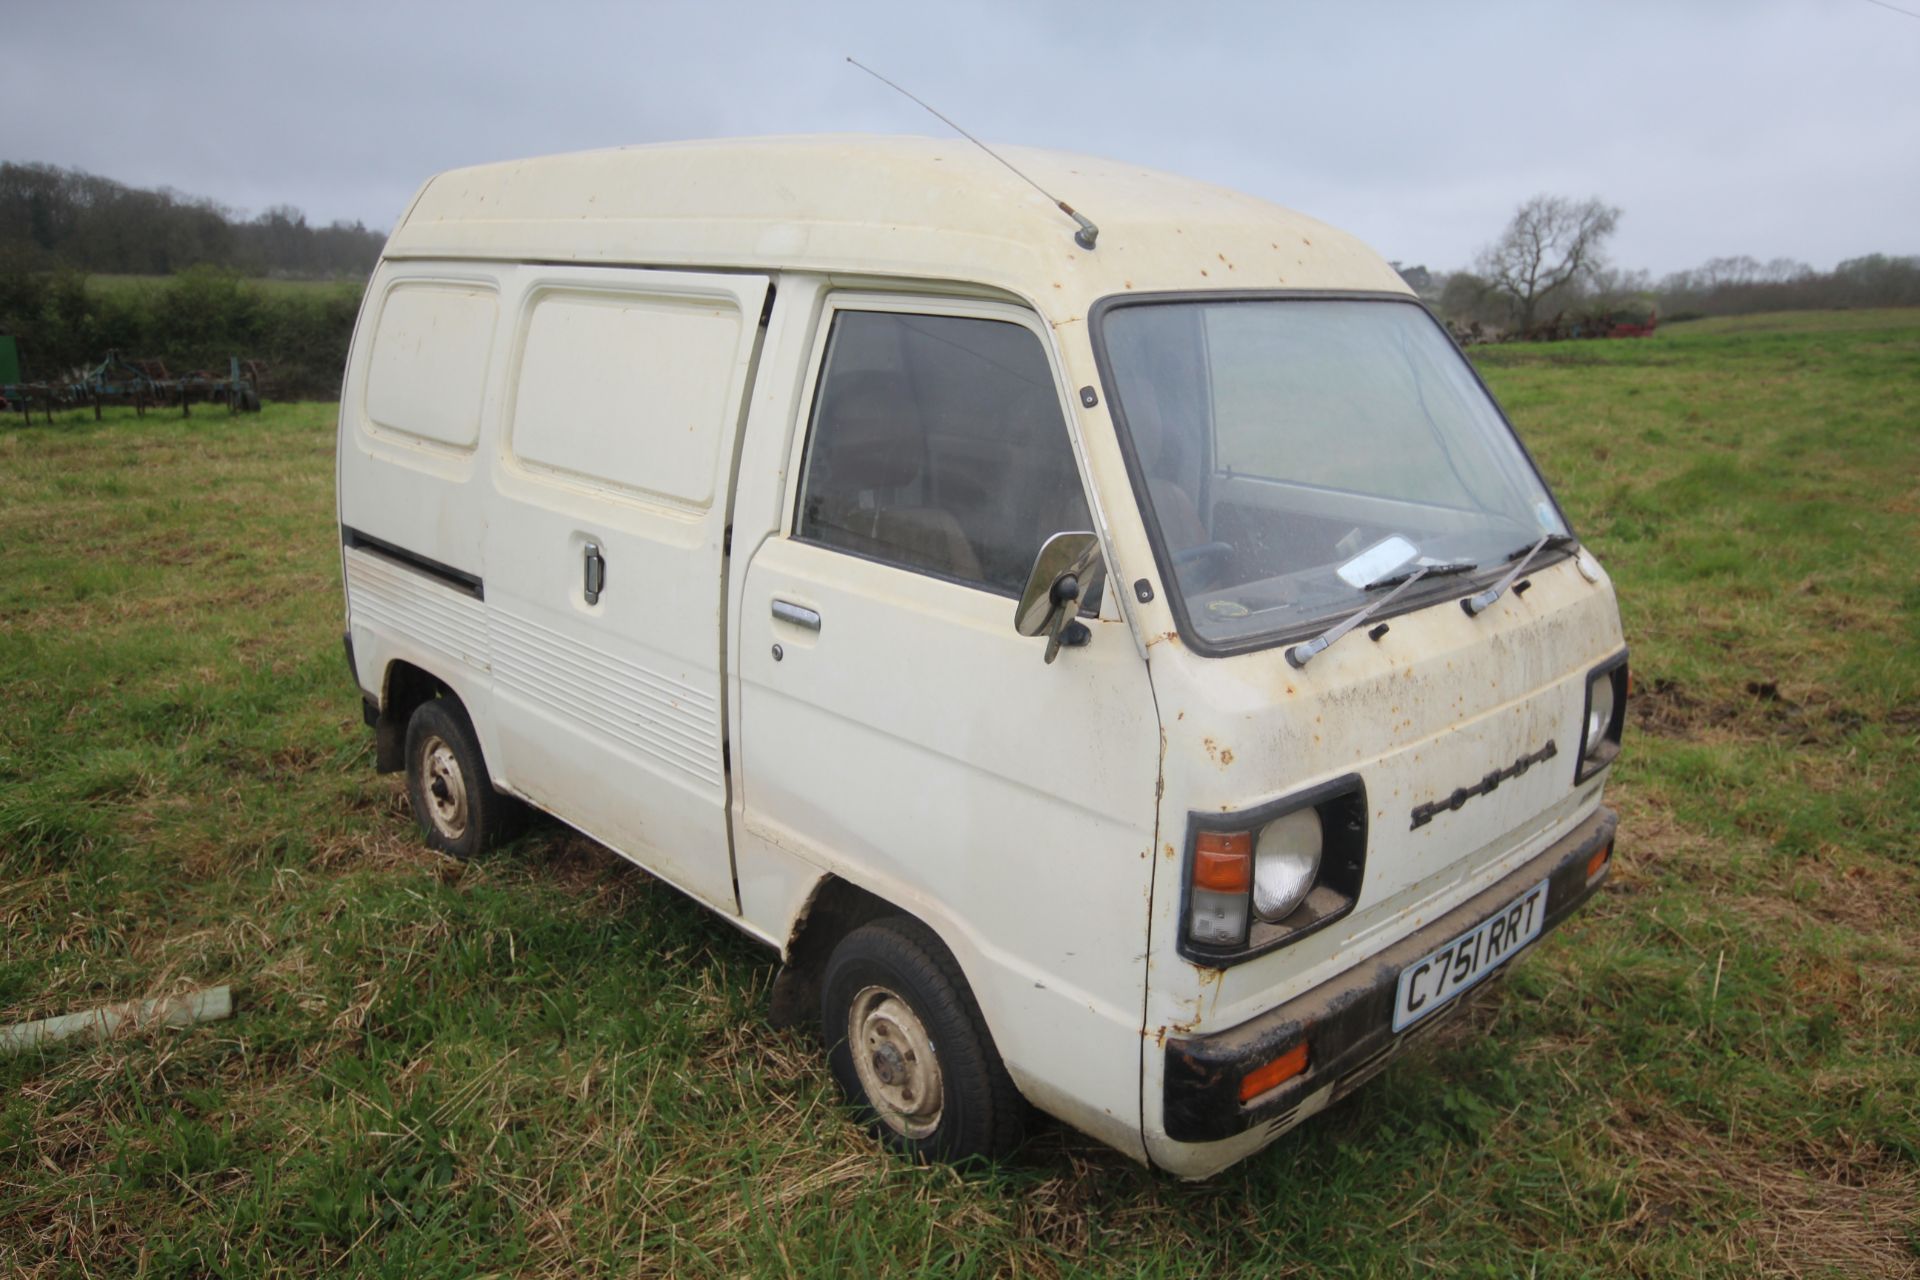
<point x="1131" y="671"/>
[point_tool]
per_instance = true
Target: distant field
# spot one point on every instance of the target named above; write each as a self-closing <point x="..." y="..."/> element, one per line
<point x="1844" y="321"/>
<point x="546" y="1063"/>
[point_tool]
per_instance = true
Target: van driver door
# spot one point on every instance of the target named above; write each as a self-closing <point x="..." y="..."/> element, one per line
<point x="895" y="727"/>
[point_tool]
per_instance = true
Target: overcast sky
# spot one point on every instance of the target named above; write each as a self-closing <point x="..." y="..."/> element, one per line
<point x="1766" y="127"/>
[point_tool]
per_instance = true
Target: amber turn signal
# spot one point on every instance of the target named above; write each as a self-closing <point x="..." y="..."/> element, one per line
<point x="1598" y="862"/>
<point x="1273" y="1074"/>
<point x="1223" y="861"/>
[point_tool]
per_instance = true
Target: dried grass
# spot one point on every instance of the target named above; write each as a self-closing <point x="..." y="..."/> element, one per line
<point x="1824" y="1210"/>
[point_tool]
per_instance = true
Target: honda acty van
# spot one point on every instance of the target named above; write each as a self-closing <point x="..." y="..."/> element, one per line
<point x="1117" y="654"/>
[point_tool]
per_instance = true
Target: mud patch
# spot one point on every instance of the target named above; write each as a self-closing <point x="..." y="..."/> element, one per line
<point x="1759" y="711"/>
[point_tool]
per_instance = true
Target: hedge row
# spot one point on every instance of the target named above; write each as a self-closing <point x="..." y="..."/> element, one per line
<point x="194" y="320"/>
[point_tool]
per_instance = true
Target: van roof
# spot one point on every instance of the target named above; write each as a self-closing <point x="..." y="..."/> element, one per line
<point x="922" y="208"/>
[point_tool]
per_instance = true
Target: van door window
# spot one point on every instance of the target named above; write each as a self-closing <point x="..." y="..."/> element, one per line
<point x="938" y="445"/>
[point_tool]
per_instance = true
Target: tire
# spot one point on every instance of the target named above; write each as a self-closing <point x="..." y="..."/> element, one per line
<point x="906" y="1042"/>
<point x="458" y="811"/>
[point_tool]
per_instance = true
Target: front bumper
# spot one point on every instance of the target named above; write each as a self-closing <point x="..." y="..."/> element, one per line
<point x="1347" y="1022"/>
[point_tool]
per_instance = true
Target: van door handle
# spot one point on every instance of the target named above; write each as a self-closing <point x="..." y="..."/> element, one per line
<point x="797" y="615"/>
<point x="596" y="573"/>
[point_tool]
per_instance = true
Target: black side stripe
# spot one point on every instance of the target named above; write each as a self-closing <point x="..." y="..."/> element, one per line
<point x="455" y="578"/>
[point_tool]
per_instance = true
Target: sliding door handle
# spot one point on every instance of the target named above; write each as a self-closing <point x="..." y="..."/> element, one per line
<point x="798" y="615"/>
<point x="596" y="573"/>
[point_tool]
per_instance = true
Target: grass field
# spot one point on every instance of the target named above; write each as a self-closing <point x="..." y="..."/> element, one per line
<point x="545" y="1063"/>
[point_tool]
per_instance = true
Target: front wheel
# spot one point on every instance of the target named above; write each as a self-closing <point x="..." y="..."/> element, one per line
<point x="907" y="1044"/>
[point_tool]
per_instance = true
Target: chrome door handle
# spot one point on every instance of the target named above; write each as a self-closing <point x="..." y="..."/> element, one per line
<point x="596" y="573"/>
<point x="797" y="615"/>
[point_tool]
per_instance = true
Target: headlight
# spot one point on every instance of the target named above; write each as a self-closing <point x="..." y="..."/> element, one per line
<point x="1600" y="730"/>
<point x="1599" y="711"/>
<point x="1286" y="860"/>
<point x="1270" y="875"/>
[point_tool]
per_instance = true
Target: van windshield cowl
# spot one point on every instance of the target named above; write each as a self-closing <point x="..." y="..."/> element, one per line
<point x="1293" y="451"/>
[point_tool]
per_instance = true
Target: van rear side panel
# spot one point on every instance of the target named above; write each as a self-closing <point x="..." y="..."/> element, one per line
<point x="411" y="412"/>
<point x="411" y="466"/>
<point x="534" y="475"/>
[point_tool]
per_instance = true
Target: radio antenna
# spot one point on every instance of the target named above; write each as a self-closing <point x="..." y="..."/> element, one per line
<point x="1087" y="233"/>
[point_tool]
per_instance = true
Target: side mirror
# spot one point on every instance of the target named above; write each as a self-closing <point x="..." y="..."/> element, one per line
<point x="1067" y="568"/>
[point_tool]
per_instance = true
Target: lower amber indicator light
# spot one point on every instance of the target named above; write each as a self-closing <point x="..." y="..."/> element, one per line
<point x="1274" y="1074"/>
<point x="1598" y="860"/>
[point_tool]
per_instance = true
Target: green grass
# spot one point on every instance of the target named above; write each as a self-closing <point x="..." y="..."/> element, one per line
<point x="546" y="1063"/>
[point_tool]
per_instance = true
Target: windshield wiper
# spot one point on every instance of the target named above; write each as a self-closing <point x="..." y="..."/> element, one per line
<point x="1475" y="605"/>
<point x="1426" y="571"/>
<point x="1301" y="654"/>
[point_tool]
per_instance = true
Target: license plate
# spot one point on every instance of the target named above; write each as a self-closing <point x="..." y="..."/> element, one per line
<point x="1430" y="982"/>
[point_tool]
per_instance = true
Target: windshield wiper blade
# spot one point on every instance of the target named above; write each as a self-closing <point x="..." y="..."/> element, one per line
<point x="1475" y="605"/>
<point x="1552" y="542"/>
<point x="1425" y="571"/>
<point x="1301" y="654"/>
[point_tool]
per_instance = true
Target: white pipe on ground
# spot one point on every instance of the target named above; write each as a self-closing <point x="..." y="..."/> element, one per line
<point x="209" y="1005"/>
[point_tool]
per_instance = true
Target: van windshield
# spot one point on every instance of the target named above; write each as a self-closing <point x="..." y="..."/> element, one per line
<point x="1299" y="455"/>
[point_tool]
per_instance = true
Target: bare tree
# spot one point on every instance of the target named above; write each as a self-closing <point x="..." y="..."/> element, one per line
<point x="1729" y="272"/>
<point x="1551" y="247"/>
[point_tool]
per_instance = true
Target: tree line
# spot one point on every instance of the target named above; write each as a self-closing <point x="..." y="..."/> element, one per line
<point x="1547" y="276"/>
<point x="52" y="218"/>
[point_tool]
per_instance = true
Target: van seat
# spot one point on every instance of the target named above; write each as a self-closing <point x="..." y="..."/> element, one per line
<point x="924" y="537"/>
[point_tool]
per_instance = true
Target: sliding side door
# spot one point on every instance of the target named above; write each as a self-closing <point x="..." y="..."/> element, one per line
<point x="605" y="557"/>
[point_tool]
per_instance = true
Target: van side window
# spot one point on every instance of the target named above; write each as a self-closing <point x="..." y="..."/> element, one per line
<point x="937" y="444"/>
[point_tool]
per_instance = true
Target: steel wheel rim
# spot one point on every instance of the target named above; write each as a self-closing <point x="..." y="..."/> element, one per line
<point x="445" y="787"/>
<point x="894" y="1058"/>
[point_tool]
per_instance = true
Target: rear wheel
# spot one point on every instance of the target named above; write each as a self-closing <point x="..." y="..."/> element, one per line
<point x="906" y="1041"/>
<point x="454" y="802"/>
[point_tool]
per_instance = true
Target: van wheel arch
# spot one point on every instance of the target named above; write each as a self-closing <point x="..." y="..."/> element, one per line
<point x="403" y="689"/>
<point x="835" y="908"/>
